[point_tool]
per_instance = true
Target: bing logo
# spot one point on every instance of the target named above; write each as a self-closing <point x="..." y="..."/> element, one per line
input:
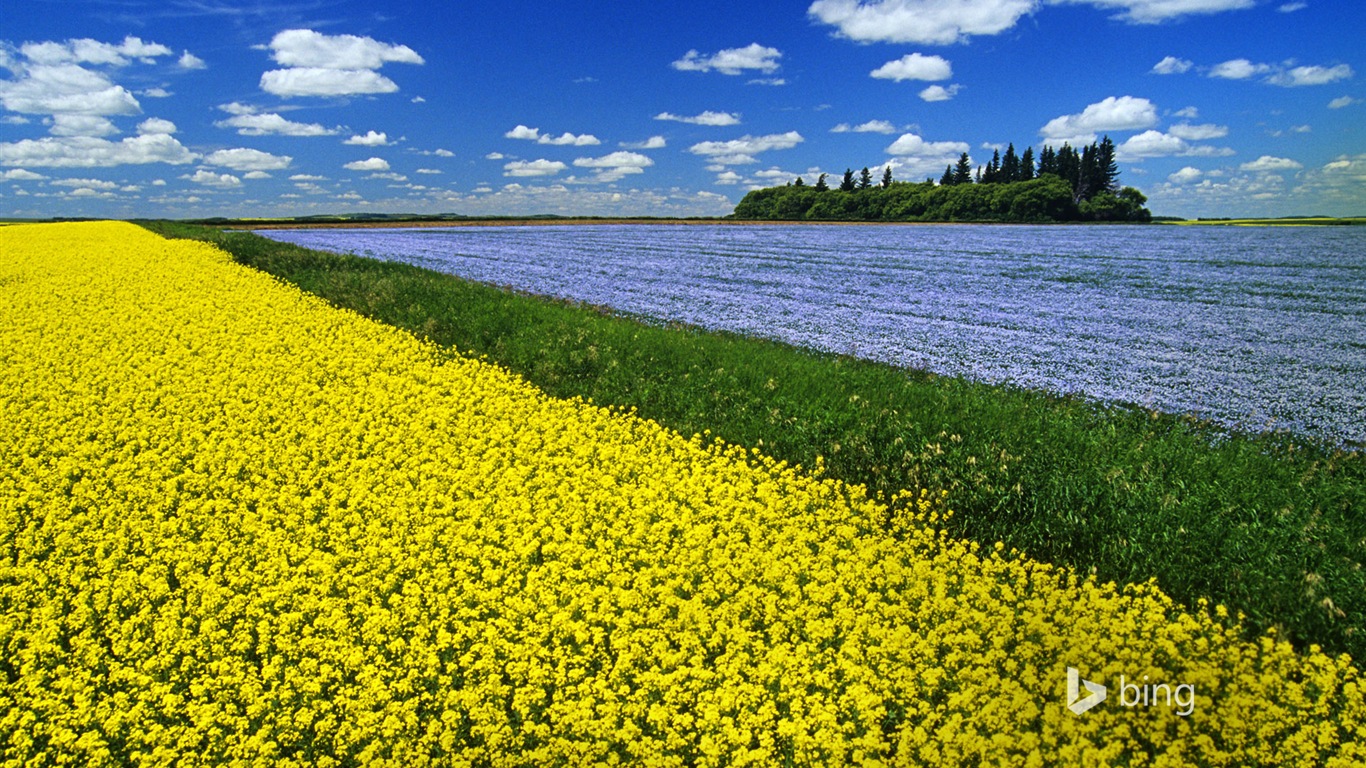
<point x="1181" y="698"/>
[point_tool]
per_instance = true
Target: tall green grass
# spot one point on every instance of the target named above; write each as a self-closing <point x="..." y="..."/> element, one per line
<point x="1272" y="526"/>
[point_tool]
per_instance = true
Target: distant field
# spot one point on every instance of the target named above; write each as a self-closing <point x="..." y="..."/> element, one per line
<point x="1309" y="221"/>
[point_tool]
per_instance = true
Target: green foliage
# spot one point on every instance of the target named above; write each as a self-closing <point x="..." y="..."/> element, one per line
<point x="1066" y="185"/>
<point x="1268" y="525"/>
<point x="1127" y="205"/>
<point x="1039" y="200"/>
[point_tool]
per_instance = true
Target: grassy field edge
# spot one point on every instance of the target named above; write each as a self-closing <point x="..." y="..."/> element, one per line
<point x="1269" y="525"/>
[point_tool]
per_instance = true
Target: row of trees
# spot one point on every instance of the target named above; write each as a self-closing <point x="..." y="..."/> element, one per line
<point x="1091" y="171"/>
<point x="1061" y="185"/>
<point x="1044" y="199"/>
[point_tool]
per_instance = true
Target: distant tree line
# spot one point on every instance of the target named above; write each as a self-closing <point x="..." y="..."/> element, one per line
<point x="1060" y="185"/>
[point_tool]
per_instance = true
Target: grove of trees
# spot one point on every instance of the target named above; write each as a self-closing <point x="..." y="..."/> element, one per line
<point x="1060" y="185"/>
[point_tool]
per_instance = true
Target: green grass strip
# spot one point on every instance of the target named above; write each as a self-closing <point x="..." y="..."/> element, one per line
<point x="1272" y="526"/>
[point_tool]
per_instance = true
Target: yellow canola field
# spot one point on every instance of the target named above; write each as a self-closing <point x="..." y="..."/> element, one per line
<point x="241" y="527"/>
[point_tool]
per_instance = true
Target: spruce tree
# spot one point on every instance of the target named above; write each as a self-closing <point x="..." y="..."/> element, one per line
<point x="865" y="178"/>
<point x="1107" y="170"/>
<point x="821" y="186"/>
<point x="1010" y="166"/>
<point x="848" y="184"/>
<point x="1027" y="164"/>
<point x="1088" y="174"/>
<point x="947" y="179"/>
<point x="887" y="177"/>
<point x="962" y="173"/>
<point x="992" y="173"/>
<point x="1048" y="161"/>
<point x="799" y="182"/>
<point x="1068" y="164"/>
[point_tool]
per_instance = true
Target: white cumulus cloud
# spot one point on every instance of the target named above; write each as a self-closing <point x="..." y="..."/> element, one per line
<point x="918" y="157"/>
<point x="1122" y="113"/>
<point x="82" y="125"/>
<point x="523" y="132"/>
<point x="913" y="145"/>
<point x="872" y="126"/>
<point x="244" y="159"/>
<point x="914" y="66"/>
<point x="615" y="160"/>
<point x="940" y="93"/>
<point x="615" y="166"/>
<point x="373" y="164"/>
<point x="1238" y="69"/>
<point x="190" y="61"/>
<point x="100" y="184"/>
<point x="654" y="142"/>
<point x="732" y="61"/>
<point x="315" y="81"/>
<point x="370" y="139"/>
<point x="935" y="22"/>
<point x="706" y="118"/>
<point x="87" y="51"/>
<point x="1187" y="175"/>
<point x="247" y="121"/>
<point x="1198" y="132"/>
<point x="307" y="48"/>
<point x="92" y="152"/>
<point x="531" y="168"/>
<point x="1312" y="75"/>
<point x="742" y="151"/>
<point x="1269" y="164"/>
<point x="565" y="139"/>
<point x="1172" y="66"/>
<point x="569" y="139"/>
<point x="1157" y="11"/>
<point x="66" y="89"/>
<point x="331" y="65"/>
<point x="1153" y="143"/>
<point x="211" y="179"/>
<point x="154" y="125"/>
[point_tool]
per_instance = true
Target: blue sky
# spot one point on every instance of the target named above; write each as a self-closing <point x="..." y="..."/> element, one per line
<point x="193" y="108"/>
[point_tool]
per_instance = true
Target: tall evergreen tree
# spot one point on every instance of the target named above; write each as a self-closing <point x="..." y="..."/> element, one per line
<point x="947" y="179"/>
<point x="991" y="174"/>
<point x="1010" y="166"/>
<point x="1027" y="164"/>
<point x="1048" y="161"/>
<point x="1088" y="174"/>
<point x="848" y="184"/>
<point x="799" y="182"/>
<point x="821" y="186"/>
<point x="962" y="173"/>
<point x="1107" y="170"/>
<point x="865" y="178"/>
<point x="1068" y="164"/>
<point x="887" y="177"/>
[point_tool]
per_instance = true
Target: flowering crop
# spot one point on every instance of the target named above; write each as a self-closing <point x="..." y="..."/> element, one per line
<point x="1253" y="328"/>
<point x="240" y="526"/>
